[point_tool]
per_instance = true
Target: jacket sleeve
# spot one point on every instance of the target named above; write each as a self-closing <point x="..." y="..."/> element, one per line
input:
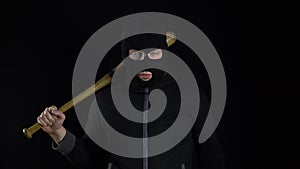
<point x="209" y="154"/>
<point x="83" y="153"/>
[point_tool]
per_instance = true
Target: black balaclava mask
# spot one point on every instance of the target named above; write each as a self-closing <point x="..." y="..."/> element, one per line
<point x="146" y="42"/>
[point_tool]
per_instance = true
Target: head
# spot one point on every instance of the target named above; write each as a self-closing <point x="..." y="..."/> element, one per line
<point x="140" y="55"/>
<point x="145" y="47"/>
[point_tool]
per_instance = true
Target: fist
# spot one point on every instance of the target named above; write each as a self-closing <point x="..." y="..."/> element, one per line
<point x="51" y="120"/>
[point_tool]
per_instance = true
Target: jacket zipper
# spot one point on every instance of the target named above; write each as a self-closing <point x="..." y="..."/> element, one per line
<point x="145" y="129"/>
<point x="109" y="165"/>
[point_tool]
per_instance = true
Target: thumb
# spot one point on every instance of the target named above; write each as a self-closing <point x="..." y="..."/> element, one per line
<point x="52" y="108"/>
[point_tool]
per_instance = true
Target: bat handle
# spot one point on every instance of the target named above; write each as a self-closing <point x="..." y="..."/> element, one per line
<point x="28" y="132"/>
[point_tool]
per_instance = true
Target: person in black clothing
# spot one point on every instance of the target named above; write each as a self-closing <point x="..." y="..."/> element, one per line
<point x="188" y="154"/>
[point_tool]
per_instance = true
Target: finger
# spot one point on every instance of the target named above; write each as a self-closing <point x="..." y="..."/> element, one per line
<point x="45" y="119"/>
<point x="59" y="114"/>
<point x="41" y="122"/>
<point x="46" y="110"/>
<point x="50" y="117"/>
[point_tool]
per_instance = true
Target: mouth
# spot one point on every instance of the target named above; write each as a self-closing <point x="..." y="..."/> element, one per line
<point x="145" y="75"/>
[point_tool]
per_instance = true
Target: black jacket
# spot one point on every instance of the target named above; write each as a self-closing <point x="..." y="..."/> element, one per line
<point x="188" y="154"/>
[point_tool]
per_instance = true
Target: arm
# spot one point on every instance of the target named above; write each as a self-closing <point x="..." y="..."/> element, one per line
<point x="209" y="153"/>
<point x="83" y="153"/>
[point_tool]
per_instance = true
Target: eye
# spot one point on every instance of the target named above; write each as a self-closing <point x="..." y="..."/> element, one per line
<point x="155" y="54"/>
<point x="131" y="51"/>
<point x="136" y="55"/>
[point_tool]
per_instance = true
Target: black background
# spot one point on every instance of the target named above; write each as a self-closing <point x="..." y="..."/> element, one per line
<point x="40" y="42"/>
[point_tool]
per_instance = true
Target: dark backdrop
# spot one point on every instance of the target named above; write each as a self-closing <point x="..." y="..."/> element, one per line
<point x="40" y="42"/>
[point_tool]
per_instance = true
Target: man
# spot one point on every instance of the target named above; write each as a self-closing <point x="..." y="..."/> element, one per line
<point x="188" y="154"/>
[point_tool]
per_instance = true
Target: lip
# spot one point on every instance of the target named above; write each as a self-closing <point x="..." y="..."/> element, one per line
<point x="145" y="75"/>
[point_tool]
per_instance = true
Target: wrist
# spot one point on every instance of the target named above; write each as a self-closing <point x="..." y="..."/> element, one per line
<point x="58" y="135"/>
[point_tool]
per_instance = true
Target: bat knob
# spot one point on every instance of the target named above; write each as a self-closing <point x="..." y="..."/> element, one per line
<point x="171" y="38"/>
<point x="27" y="133"/>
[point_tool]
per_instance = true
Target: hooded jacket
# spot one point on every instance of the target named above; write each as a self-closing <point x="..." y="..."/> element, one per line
<point x="188" y="154"/>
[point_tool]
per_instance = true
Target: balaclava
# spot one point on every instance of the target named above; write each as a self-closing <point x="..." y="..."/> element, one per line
<point x="146" y="42"/>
